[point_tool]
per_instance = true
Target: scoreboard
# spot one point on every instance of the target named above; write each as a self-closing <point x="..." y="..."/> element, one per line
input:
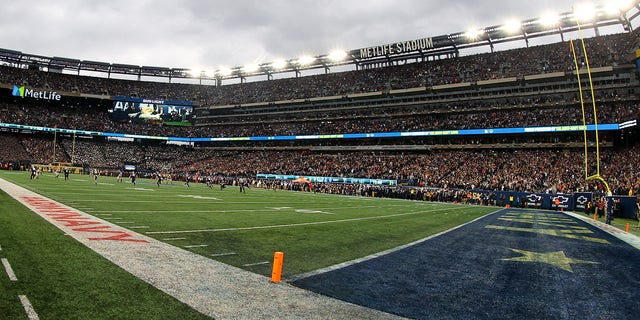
<point x="151" y="110"/>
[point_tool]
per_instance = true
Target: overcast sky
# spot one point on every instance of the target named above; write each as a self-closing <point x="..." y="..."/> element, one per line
<point x="210" y="34"/>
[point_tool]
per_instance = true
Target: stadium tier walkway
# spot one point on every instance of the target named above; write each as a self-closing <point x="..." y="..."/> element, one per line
<point x="213" y="288"/>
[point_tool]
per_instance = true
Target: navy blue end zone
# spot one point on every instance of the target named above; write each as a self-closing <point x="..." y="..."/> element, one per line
<point x="513" y="264"/>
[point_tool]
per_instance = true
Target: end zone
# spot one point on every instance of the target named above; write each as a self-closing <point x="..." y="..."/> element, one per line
<point x="512" y="264"/>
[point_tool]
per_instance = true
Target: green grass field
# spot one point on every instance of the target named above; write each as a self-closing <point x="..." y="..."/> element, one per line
<point x="65" y="280"/>
<point x="245" y="229"/>
<point x="68" y="281"/>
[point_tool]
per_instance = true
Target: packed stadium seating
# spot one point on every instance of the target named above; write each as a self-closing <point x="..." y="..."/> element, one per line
<point x="534" y="162"/>
<point x="603" y="51"/>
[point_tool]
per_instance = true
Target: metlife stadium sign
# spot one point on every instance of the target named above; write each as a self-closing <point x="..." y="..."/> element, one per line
<point x="396" y="48"/>
<point x="30" y="93"/>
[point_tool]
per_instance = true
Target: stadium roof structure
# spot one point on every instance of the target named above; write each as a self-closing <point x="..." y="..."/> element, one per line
<point x="448" y="45"/>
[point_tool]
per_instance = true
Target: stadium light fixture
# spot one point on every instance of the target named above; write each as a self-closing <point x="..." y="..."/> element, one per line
<point x="473" y="33"/>
<point x="512" y="26"/>
<point x="195" y="72"/>
<point x="584" y="12"/>
<point x="279" y="64"/>
<point x="550" y="19"/>
<point x="224" y="71"/>
<point x="337" y="55"/>
<point x="306" y="60"/>
<point x="250" y="68"/>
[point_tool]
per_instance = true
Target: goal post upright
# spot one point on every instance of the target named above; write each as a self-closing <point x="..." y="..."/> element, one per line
<point x="584" y="119"/>
<point x="596" y="176"/>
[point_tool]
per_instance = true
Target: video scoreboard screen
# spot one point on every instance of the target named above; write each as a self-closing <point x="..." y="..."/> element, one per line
<point x="151" y="110"/>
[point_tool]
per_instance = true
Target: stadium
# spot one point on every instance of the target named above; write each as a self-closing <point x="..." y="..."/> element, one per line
<point x="486" y="174"/>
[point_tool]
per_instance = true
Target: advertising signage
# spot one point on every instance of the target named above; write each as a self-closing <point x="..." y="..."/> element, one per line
<point x="396" y="48"/>
<point x="151" y="110"/>
<point x="25" y="92"/>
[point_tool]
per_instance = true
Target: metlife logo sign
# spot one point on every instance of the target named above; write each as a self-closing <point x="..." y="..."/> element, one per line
<point x="30" y="93"/>
<point x="18" y="91"/>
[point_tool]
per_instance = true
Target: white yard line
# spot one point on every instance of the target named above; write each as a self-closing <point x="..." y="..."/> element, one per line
<point x="298" y="224"/>
<point x="270" y="209"/>
<point x="196" y="246"/>
<point x="255" y="264"/>
<point x="8" y="269"/>
<point x="165" y="200"/>
<point x="28" y="308"/>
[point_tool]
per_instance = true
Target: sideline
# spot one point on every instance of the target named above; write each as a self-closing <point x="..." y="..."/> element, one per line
<point x="210" y="287"/>
<point x="629" y="238"/>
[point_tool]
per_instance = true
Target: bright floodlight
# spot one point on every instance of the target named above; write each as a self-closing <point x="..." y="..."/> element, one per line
<point x="224" y="71"/>
<point x="305" y="60"/>
<point x="337" y="55"/>
<point x="512" y="26"/>
<point x="473" y="33"/>
<point x="252" y="67"/>
<point x="279" y="64"/>
<point x="550" y="19"/>
<point x="584" y="12"/>
<point x="195" y="72"/>
<point x="210" y="73"/>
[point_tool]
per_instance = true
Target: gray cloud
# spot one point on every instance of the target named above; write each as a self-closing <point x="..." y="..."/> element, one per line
<point x="213" y="33"/>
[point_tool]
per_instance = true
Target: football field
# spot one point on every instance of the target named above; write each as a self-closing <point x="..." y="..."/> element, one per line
<point x="245" y="229"/>
<point x="377" y="254"/>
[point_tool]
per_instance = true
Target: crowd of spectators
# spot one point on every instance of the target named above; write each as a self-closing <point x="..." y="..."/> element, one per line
<point x="610" y="112"/>
<point x="527" y="170"/>
<point x="533" y="170"/>
<point x="469" y="116"/>
<point x="603" y="51"/>
<point x="36" y="149"/>
<point x="93" y="115"/>
<point x="545" y="170"/>
<point x="11" y="149"/>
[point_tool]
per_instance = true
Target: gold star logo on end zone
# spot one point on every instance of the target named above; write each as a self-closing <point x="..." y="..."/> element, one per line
<point x="557" y="259"/>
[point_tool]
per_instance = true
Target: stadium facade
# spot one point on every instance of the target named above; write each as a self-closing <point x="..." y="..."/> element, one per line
<point x="419" y="112"/>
